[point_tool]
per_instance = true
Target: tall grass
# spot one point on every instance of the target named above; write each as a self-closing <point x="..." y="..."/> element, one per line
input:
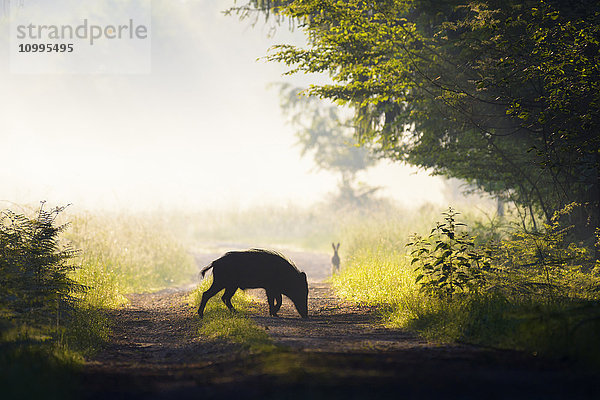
<point x="376" y="268"/>
<point x="126" y="253"/>
<point x="120" y="254"/>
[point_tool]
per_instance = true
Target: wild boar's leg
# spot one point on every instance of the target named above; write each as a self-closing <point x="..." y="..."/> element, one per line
<point x="278" y="301"/>
<point x="271" y="301"/>
<point x="229" y="292"/>
<point x="214" y="289"/>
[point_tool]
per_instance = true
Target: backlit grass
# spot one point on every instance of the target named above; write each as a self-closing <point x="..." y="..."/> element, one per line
<point x="312" y="228"/>
<point x="376" y="276"/>
<point x="126" y="254"/>
<point x="120" y="254"/>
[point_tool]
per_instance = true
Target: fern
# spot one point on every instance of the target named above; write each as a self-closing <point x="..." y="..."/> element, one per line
<point x="34" y="272"/>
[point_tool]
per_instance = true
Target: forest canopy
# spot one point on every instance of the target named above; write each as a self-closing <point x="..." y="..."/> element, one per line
<point x="502" y="94"/>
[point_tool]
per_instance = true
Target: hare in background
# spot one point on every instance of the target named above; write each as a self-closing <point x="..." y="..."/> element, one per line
<point x="335" y="260"/>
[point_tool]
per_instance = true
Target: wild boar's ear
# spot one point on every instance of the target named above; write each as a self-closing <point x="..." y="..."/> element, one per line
<point x="302" y="274"/>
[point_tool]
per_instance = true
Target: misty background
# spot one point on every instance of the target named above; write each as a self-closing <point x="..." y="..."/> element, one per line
<point x="203" y="130"/>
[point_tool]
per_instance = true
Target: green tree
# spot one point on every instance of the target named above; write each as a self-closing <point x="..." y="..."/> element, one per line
<point x="503" y="94"/>
<point x="326" y="133"/>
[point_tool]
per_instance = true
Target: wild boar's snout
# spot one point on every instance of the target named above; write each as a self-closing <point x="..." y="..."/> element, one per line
<point x="304" y="314"/>
<point x="302" y="304"/>
<point x="302" y="308"/>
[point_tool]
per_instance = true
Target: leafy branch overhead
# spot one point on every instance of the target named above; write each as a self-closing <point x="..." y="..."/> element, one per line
<point x="504" y="95"/>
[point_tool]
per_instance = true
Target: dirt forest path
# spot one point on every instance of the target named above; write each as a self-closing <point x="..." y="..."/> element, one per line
<point x="341" y="351"/>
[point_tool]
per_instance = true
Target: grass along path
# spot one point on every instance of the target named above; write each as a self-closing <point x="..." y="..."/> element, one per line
<point x="339" y="352"/>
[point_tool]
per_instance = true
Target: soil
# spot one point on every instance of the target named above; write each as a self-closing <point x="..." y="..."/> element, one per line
<point x="340" y="351"/>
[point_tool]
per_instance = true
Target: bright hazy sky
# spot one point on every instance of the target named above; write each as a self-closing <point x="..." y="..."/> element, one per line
<point x="201" y="130"/>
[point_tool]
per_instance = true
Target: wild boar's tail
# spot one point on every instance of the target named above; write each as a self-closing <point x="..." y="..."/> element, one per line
<point x="206" y="269"/>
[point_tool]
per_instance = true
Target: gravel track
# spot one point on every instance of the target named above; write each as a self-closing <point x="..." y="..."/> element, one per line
<point x="341" y="351"/>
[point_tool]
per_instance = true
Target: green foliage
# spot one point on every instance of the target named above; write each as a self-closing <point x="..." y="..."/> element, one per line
<point x="44" y="298"/>
<point x="500" y="94"/>
<point x="546" y="263"/>
<point x="377" y="270"/>
<point x="254" y="9"/>
<point x="53" y="296"/>
<point x="448" y="261"/>
<point x="45" y="326"/>
<point x="550" y="310"/>
<point x="35" y="273"/>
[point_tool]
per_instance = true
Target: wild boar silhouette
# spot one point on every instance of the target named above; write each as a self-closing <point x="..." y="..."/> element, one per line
<point x="257" y="268"/>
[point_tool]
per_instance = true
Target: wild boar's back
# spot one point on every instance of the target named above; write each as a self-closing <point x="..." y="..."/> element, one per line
<point x="254" y="269"/>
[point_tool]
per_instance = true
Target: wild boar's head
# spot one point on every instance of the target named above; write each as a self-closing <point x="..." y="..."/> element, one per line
<point x="299" y="295"/>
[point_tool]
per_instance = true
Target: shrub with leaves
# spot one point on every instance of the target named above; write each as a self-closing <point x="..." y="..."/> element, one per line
<point x="547" y="262"/>
<point x="34" y="272"/>
<point x="448" y="261"/>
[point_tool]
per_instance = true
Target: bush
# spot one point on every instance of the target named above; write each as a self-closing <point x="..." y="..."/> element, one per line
<point x="35" y="273"/>
<point x="447" y="261"/>
<point x="42" y="317"/>
<point x="546" y="263"/>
